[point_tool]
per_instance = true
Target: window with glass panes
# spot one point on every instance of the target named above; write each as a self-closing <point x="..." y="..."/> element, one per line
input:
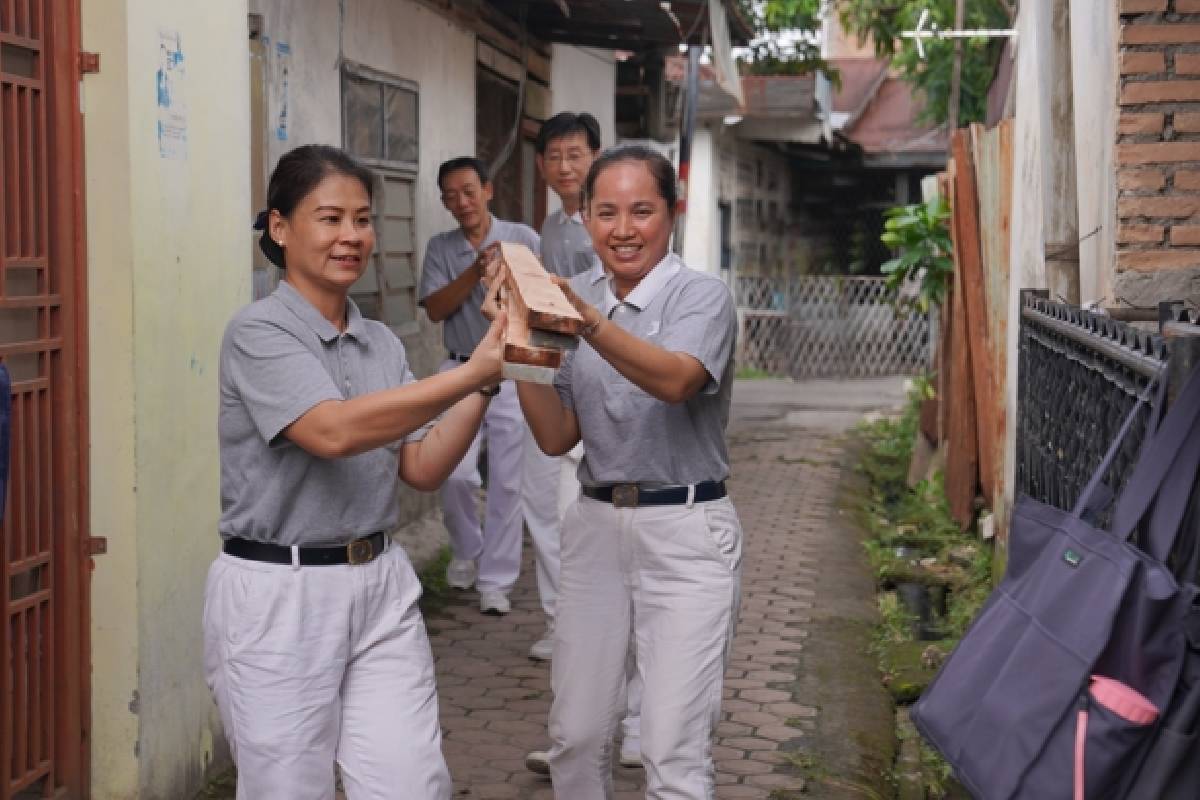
<point x="379" y="127"/>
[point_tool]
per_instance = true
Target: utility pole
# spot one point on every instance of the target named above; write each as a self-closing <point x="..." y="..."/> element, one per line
<point x="956" y="70"/>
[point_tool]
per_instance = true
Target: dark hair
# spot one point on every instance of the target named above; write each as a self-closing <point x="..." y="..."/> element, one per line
<point x="298" y="172"/>
<point x="660" y="169"/>
<point x="566" y="124"/>
<point x="462" y="162"/>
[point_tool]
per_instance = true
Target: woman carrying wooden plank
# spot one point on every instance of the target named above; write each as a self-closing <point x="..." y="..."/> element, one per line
<point x="652" y="540"/>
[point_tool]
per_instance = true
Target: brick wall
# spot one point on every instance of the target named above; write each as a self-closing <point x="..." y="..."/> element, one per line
<point x="1158" y="150"/>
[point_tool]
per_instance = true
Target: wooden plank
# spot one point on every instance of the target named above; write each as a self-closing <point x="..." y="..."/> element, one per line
<point x="946" y="187"/>
<point x="993" y="169"/>
<point x="962" y="459"/>
<point x="534" y="303"/>
<point x="532" y="289"/>
<point x="970" y="267"/>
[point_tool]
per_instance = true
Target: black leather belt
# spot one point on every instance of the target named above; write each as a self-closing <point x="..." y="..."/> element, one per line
<point x="360" y="551"/>
<point x="630" y="495"/>
<point x="459" y="357"/>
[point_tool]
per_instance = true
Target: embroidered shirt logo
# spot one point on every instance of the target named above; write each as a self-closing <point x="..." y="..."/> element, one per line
<point x="1072" y="558"/>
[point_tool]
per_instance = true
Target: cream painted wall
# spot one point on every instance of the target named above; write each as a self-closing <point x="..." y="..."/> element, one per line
<point x="584" y="79"/>
<point x="1094" y="31"/>
<point x="168" y="264"/>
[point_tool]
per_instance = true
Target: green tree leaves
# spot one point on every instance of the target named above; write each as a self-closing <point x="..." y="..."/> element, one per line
<point x="920" y="233"/>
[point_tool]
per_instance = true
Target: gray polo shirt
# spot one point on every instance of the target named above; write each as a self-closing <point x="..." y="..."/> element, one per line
<point x="447" y="256"/>
<point x="629" y="436"/>
<point x="566" y="245"/>
<point x="279" y="358"/>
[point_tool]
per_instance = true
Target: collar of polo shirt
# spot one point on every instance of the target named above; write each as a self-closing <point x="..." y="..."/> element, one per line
<point x="646" y="290"/>
<point x="322" y="327"/>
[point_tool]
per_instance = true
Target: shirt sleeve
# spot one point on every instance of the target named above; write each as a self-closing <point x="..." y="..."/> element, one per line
<point x="703" y="324"/>
<point x="434" y="274"/>
<point x="532" y="240"/>
<point x="562" y="379"/>
<point x="277" y="378"/>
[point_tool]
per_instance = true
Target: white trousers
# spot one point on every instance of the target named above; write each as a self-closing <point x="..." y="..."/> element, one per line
<point x="496" y="546"/>
<point x="310" y="665"/>
<point x="542" y="501"/>
<point x="550" y="484"/>
<point x="674" y="571"/>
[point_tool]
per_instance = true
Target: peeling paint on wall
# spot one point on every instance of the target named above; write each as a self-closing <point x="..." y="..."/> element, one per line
<point x="169" y="87"/>
<point x="283" y="66"/>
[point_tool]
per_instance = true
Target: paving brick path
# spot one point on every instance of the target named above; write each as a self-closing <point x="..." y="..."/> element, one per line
<point x="494" y="699"/>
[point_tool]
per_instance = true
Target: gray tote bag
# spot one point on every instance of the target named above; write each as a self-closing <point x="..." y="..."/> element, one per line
<point x="1016" y="709"/>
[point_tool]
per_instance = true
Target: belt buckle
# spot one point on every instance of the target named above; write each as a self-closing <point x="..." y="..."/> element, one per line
<point x="360" y="551"/>
<point x="625" y="495"/>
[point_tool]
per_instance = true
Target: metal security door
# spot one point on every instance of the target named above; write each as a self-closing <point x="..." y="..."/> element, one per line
<point x="43" y="627"/>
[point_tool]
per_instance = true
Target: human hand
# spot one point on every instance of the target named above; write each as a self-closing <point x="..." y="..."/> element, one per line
<point x="591" y="315"/>
<point x="488" y="354"/>
<point x="488" y="264"/>
<point x="492" y="301"/>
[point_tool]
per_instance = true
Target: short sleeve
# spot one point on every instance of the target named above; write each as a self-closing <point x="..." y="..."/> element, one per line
<point x="562" y="380"/>
<point x="434" y="273"/>
<point x="702" y="323"/>
<point x="533" y="241"/>
<point x="277" y="378"/>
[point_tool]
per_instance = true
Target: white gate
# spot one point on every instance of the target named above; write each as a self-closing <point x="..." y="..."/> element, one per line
<point x="828" y="327"/>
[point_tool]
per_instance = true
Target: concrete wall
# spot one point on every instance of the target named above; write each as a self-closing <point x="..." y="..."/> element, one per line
<point x="1094" y="80"/>
<point x="168" y="264"/>
<point x="584" y="79"/>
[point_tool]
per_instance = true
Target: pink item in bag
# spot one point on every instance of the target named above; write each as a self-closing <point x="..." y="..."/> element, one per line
<point x="1121" y="700"/>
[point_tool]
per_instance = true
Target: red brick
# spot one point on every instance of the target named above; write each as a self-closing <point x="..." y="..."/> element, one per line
<point x="1160" y="92"/>
<point x="1143" y="6"/>
<point x="1178" y="207"/>
<point x="1140" y="234"/>
<point x="1155" y="260"/>
<point x="1187" y="63"/>
<point x="1157" y="153"/>
<point x="1187" y="179"/>
<point x="1187" y="122"/>
<point x="1145" y="179"/>
<point x="1135" y="124"/>
<point x="1185" y="234"/>
<point x="1133" y="62"/>
<point x="1161" y="33"/>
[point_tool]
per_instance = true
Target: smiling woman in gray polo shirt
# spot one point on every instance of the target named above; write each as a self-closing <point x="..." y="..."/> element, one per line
<point x="314" y="647"/>
<point x="652" y="541"/>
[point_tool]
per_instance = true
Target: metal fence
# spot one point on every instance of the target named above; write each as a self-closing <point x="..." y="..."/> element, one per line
<point x="1080" y="376"/>
<point x="828" y="327"/>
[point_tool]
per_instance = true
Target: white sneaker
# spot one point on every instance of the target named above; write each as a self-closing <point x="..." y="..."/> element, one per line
<point x="460" y="574"/>
<point x="538" y="761"/>
<point x="543" y="648"/>
<point x="631" y="753"/>
<point x="494" y="603"/>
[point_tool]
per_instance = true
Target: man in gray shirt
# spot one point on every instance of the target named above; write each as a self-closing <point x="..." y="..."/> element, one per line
<point x="566" y="146"/>
<point x="451" y="292"/>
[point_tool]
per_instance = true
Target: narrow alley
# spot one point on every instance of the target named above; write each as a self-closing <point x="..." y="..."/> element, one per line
<point x="804" y="710"/>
